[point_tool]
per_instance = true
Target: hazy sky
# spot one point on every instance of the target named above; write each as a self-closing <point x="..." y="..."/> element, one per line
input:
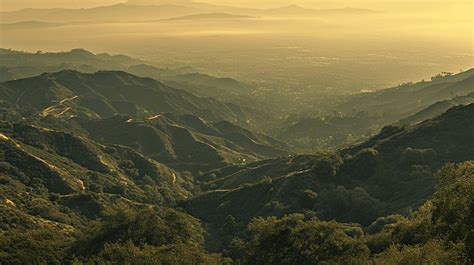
<point x="399" y="4"/>
<point x="378" y="4"/>
<point x="7" y="5"/>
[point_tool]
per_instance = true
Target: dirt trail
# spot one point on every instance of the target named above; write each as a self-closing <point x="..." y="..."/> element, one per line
<point x="154" y="117"/>
<point x="61" y="107"/>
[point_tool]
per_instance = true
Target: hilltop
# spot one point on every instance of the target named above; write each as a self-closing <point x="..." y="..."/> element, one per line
<point x="106" y="93"/>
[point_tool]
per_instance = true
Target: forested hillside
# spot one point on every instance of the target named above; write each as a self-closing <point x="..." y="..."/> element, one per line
<point x="391" y="173"/>
<point x="91" y="184"/>
<point x="107" y="93"/>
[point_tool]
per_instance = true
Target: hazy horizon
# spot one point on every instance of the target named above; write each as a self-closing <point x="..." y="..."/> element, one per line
<point x="366" y="49"/>
<point x="466" y="5"/>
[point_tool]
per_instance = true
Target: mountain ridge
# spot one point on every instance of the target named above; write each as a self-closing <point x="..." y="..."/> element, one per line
<point x="208" y="16"/>
<point x="136" y="12"/>
<point x="381" y="176"/>
<point x="98" y="86"/>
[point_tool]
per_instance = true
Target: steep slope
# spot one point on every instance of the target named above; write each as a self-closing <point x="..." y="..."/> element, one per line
<point x="449" y="135"/>
<point x="106" y="93"/>
<point x="185" y="142"/>
<point x="62" y="193"/>
<point x="390" y="173"/>
<point x="86" y="176"/>
<point x="400" y="102"/>
<point x="438" y="108"/>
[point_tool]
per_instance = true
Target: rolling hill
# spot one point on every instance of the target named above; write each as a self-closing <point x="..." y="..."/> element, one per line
<point x="70" y="165"/>
<point x="362" y="115"/>
<point x="170" y="125"/>
<point x="106" y="93"/>
<point x="390" y="173"/>
<point x="16" y="65"/>
<point x="57" y="187"/>
<point x="185" y="142"/>
<point x="79" y="149"/>
<point x="97" y="164"/>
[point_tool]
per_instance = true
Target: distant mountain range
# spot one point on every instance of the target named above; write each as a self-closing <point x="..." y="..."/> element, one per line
<point x="209" y="16"/>
<point x="119" y="12"/>
<point x="295" y="10"/>
<point x="15" y="65"/>
<point x="135" y="12"/>
<point x="32" y="24"/>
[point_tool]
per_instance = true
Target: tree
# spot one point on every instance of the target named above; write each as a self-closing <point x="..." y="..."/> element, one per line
<point x="433" y="252"/>
<point x="453" y="204"/>
<point x="230" y="226"/>
<point x="292" y="240"/>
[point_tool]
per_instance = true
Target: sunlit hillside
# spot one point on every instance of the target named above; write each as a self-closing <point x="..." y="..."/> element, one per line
<point x="236" y="132"/>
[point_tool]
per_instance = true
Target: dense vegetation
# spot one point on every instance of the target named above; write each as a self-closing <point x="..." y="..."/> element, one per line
<point x="186" y="142"/>
<point x="150" y="235"/>
<point x="392" y="172"/>
<point x="439" y="232"/>
<point x="112" y="168"/>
